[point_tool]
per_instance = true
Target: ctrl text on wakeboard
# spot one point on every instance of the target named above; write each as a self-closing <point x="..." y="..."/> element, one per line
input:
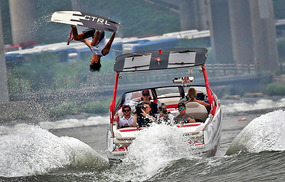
<point x="98" y="20"/>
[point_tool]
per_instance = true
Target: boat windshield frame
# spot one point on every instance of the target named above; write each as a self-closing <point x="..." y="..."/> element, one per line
<point x="136" y="94"/>
<point x="197" y="59"/>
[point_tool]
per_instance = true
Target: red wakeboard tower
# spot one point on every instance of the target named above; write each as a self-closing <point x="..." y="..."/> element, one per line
<point x="159" y="60"/>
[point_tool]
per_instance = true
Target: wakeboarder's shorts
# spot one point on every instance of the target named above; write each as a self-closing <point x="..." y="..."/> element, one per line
<point x="89" y="32"/>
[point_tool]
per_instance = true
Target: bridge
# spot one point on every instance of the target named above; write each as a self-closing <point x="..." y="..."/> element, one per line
<point x="88" y="94"/>
<point x="220" y="75"/>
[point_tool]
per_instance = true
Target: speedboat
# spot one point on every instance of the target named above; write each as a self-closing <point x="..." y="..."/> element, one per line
<point x="203" y="135"/>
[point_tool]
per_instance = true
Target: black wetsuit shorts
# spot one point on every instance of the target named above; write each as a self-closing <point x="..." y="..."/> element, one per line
<point x="89" y="32"/>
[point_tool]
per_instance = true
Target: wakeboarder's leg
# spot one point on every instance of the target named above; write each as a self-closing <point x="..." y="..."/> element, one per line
<point x="95" y="38"/>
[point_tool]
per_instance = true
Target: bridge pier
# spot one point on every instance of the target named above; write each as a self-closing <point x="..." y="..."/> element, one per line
<point x="202" y="14"/>
<point x="193" y="13"/>
<point x="220" y="29"/>
<point x="187" y="18"/>
<point x="241" y="31"/>
<point x="264" y="34"/>
<point x="244" y="32"/>
<point x="22" y="21"/>
<point x="4" y="96"/>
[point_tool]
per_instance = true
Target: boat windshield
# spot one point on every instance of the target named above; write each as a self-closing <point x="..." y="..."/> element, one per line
<point x="163" y="94"/>
<point x="130" y="98"/>
<point x="167" y="92"/>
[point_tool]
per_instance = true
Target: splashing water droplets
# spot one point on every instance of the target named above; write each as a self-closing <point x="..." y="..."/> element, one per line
<point x="30" y="150"/>
<point x="153" y="149"/>
<point x="41" y="22"/>
<point x="265" y="133"/>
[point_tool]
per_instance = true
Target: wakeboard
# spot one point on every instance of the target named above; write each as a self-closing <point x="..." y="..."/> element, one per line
<point x="78" y="18"/>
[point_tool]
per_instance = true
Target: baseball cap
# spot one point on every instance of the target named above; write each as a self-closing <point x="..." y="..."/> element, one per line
<point x="181" y="104"/>
<point x="145" y="92"/>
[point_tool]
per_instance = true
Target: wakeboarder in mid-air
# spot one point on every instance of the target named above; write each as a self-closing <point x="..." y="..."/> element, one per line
<point x="99" y="45"/>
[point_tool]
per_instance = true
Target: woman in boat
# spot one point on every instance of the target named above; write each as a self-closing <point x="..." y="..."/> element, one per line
<point x="127" y="119"/>
<point x="146" y="98"/>
<point x="143" y="115"/>
<point x="191" y="97"/>
<point x="183" y="117"/>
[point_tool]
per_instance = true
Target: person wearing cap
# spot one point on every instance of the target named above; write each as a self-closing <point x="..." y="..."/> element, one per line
<point x="127" y="120"/>
<point x="146" y="98"/>
<point x="183" y="117"/>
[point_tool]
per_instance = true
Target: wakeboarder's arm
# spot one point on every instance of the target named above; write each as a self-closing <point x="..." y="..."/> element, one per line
<point x="87" y="42"/>
<point x="107" y="48"/>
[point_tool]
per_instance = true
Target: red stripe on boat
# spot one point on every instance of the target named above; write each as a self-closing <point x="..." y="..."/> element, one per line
<point x="172" y="106"/>
<point x="196" y="144"/>
<point x="137" y="129"/>
<point x="191" y="125"/>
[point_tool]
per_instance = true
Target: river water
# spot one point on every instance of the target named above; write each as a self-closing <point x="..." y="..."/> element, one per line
<point x="252" y="149"/>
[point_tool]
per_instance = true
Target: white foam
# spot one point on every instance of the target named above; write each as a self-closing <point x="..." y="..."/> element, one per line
<point x="153" y="149"/>
<point x="30" y="150"/>
<point x="260" y="104"/>
<point x="71" y="123"/>
<point x="265" y="133"/>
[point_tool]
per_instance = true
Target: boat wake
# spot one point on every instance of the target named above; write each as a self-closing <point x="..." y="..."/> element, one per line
<point x="265" y="133"/>
<point x="258" y="105"/>
<point x="29" y="150"/>
<point x="72" y="123"/>
<point x="153" y="150"/>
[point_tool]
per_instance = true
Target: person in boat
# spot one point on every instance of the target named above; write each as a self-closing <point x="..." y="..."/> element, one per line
<point x="191" y="97"/>
<point x="146" y="98"/>
<point x="183" y="117"/>
<point x="143" y="115"/>
<point x="164" y="116"/>
<point x="127" y="119"/>
<point x="99" y="45"/>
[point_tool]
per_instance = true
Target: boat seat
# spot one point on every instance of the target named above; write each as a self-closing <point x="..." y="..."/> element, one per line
<point x="170" y="101"/>
<point x="120" y="113"/>
<point x="198" y="111"/>
<point x="171" y="98"/>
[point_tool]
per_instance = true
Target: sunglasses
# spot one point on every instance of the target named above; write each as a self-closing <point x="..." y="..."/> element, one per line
<point x="126" y="110"/>
<point x="181" y="109"/>
<point x="145" y="95"/>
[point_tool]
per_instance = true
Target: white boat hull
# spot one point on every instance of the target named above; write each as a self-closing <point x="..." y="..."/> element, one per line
<point x="206" y="141"/>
